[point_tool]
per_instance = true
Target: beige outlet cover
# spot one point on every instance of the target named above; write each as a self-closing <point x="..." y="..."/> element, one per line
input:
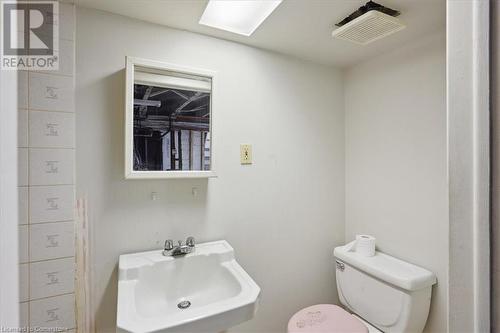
<point x="246" y="154"/>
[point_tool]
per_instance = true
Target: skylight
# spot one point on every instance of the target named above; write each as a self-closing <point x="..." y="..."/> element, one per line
<point x="240" y="17"/>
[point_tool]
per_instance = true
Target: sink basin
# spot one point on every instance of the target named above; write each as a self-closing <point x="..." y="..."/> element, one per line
<point x="204" y="291"/>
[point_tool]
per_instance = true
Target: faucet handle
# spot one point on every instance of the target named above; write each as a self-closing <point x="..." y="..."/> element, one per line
<point x="190" y="241"/>
<point x="169" y="245"/>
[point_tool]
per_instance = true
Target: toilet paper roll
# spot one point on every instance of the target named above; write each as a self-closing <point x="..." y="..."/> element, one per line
<point x="365" y="245"/>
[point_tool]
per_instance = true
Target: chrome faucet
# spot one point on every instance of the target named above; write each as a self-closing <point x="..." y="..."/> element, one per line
<point x="178" y="250"/>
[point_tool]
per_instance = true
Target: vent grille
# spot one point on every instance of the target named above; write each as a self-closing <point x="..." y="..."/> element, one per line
<point x="368" y="28"/>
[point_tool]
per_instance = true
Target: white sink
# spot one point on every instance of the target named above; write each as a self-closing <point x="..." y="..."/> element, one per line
<point x="151" y="286"/>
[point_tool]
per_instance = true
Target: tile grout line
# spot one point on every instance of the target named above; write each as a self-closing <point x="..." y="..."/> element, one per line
<point x="47" y="297"/>
<point x="29" y="202"/>
<point x="50" y="185"/>
<point x="48" y="73"/>
<point x="73" y="46"/>
<point x="53" y="222"/>
<point x="73" y="197"/>
<point x="40" y="110"/>
<point x="51" y="259"/>
<point x="47" y="148"/>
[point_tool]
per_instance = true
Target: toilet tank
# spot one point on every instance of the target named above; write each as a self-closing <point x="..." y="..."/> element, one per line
<point x="389" y="293"/>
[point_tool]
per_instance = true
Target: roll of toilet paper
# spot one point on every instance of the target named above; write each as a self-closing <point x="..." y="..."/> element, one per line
<point x="365" y="245"/>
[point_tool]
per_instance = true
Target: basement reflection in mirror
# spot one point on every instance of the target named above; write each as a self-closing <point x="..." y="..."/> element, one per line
<point x="168" y="127"/>
<point x="171" y="128"/>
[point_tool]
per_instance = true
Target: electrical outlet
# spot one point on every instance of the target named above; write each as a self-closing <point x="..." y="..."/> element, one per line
<point x="246" y="154"/>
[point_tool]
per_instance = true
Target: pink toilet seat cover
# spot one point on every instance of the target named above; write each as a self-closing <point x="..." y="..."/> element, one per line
<point x="325" y="318"/>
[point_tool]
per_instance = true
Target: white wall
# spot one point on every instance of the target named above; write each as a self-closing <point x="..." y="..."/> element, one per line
<point x="495" y="166"/>
<point x="9" y="279"/>
<point x="396" y="182"/>
<point x="468" y="99"/>
<point x="284" y="214"/>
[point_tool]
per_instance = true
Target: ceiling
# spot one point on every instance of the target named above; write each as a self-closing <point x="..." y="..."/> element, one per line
<point x="300" y="28"/>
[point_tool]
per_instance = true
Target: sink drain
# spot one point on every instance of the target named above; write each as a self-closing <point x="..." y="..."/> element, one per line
<point x="184" y="305"/>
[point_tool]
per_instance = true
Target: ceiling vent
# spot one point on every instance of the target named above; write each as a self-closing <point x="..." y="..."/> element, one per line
<point x="368" y="24"/>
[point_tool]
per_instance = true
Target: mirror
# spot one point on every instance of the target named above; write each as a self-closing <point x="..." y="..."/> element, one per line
<point x="168" y="121"/>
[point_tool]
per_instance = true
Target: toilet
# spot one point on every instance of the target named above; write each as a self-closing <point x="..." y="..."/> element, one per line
<point x="378" y="293"/>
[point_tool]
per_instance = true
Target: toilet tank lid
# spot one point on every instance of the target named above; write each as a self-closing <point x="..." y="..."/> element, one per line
<point x="386" y="268"/>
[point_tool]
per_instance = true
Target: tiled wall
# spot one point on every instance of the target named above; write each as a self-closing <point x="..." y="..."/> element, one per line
<point x="46" y="187"/>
